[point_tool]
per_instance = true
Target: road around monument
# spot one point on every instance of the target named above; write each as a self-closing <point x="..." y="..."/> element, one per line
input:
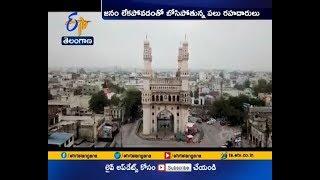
<point x="214" y="136"/>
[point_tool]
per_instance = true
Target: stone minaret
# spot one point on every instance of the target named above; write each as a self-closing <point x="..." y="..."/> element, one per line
<point x="185" y="99"/>
<point x="183" y="58"/>
<point x="146" y="93"/>
<point x="147" y="57"/>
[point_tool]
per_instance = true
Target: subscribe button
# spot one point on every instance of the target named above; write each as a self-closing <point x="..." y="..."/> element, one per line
<point x="175" y="167"/>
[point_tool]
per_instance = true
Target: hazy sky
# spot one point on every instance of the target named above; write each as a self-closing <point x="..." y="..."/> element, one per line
<point x="217" y="44"/>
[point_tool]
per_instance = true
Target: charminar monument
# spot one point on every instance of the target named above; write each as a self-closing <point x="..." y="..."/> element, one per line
<point x="165" y="101"/>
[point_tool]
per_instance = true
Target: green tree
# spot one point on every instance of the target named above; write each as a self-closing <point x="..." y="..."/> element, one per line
<point x="132" y="103"/>
<point x="115" y="100"/>
<point x="269" y="87"/>
<point x="262" y="87"/>
<point x="98" y="101"/>
<point x="256" y="102"/>
<point x="246" y="83"/>
<point x="232" y="108"/>
<point x="239" y="87"/>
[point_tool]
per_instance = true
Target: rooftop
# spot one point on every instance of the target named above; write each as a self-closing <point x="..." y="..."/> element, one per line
<point x="85" y="144"/>
<point x="59" y="138"/>
<point x="261" y="109"/>
<point x="101" y="144"/>
<point x="57" y="103"/>
<point x="81" y="118"/>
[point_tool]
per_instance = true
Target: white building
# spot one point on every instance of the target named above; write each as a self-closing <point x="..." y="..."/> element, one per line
<point x="202" y="76"/>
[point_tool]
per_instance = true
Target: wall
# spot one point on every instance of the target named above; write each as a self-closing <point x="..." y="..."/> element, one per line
<point x="88" y="132"/>
<point x="69" y="128"/>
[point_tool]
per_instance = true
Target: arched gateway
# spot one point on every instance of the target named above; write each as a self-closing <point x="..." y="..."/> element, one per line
<point x="170" y="95"/>
<point x="165" y="121"/>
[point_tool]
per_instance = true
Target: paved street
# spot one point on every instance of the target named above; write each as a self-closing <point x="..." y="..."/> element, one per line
<point x="214" y="136"/>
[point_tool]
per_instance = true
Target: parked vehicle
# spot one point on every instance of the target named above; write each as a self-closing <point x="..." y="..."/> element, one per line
<point x="238" y="139"/>
<point x="222" y="123"/>
<point x="211" y="121"/>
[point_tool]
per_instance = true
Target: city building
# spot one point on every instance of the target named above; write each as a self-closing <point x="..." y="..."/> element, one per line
<point x="170" y="95"/>
<point x="54" y="108"/>
<point x="90" y="89"/>
<point x="82" y="127"/>
<point x="136" y="85"/>
<point x="260" y="126"/>
<point x="77" y="111"/>
<point x="113" y="113"/>
<point x="202" y="76"/>
<point x="60" y="139"/>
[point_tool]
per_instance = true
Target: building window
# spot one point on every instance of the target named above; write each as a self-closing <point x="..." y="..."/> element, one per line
<point x="161" y="98"/>
<point x="169" y="98"/>
<point x="152" y="107"/>
<point x="157" y="98"/>
<point x="177" y="114"/>
<point x="173" y="98"/>
<point x="158" y="108"/>
<point x="152" y="113"/>
<point x="150" y="88"/>
<point x="172" y="108"/>
<point x="152" y="121"/>
<point x="177" y="107"/>
<point x="177" y="98"/>
<point x="152" y="97"/>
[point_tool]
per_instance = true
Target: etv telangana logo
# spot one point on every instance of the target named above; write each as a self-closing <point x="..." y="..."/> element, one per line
<point x="79" y="24"/>
<point x="63" y="155"/>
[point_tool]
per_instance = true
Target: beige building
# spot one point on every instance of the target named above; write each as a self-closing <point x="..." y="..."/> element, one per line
<point x="267" y="98"/>
<point x="82" y="127"/>
<point x="260" y="126"/>
<point x="113" y="113"/>
<point x="165" y="101"/>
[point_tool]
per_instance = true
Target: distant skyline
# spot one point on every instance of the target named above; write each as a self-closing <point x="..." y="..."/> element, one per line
<point x="115" y="68"/>
<point x="213" y="44"/>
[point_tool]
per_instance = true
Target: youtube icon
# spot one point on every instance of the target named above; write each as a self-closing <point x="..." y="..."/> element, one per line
<point x="167" y="155"/>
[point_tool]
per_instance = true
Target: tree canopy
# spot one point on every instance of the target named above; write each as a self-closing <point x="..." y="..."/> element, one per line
<point x="114" y="100"/>
<point x="244" y="85"/>
<point x="262" y="87"/>
<point x="132" y="103"/>
<point x="98" y="101"/>
<point x="232" y="108"/>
